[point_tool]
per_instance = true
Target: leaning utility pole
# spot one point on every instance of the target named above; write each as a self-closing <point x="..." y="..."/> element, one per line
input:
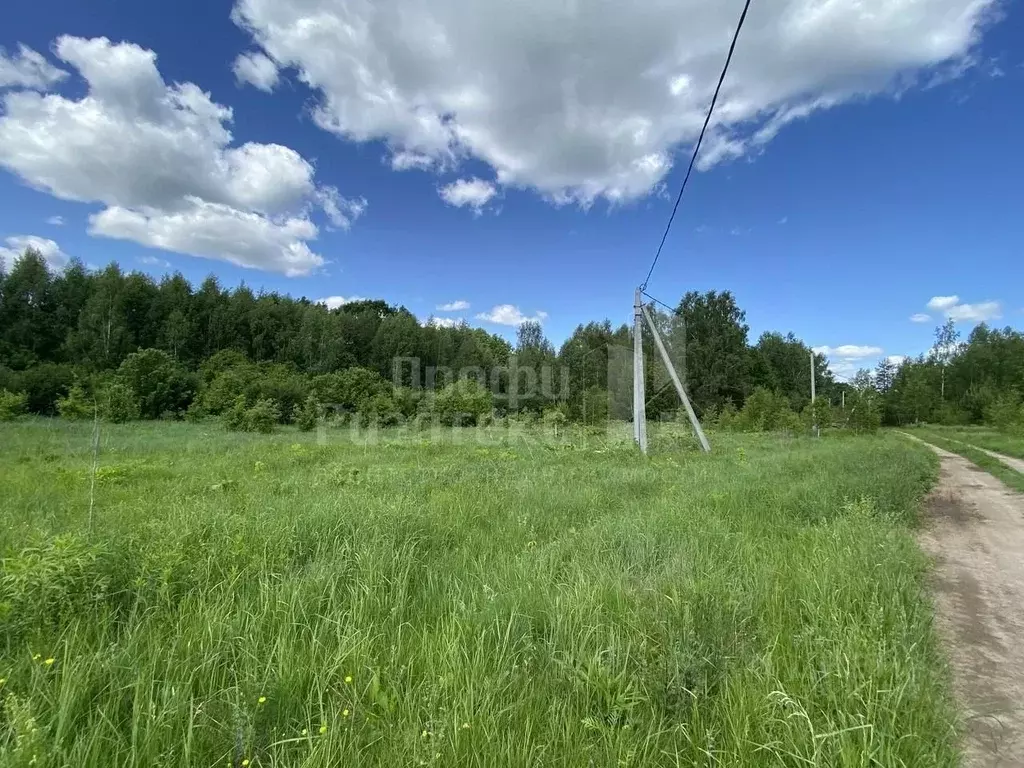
<point x="694" y="422"/>
<point x="641" y="314"/>
<point x="639" y="397"/>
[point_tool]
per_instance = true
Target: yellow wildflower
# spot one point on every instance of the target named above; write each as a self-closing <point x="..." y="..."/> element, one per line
<point x="261" y="700"/>
<point x="323" y="729"/>
<point x="48" y="662"/>
<point x="305" y="731"/>
<point x="348" y="679"/>
<point x="245" y="762"/>
<point x="344" y="713"/>
<point x="35" y="657"/>
<point x="465" y="726"/>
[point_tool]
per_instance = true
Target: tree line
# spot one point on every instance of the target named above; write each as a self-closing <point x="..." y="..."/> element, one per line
<point x="135" y="347"/>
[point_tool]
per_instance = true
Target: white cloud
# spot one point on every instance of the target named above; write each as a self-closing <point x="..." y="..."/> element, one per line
<point x="845" y="360"/>
<point x="475" y="193"/>
<point x="160" y="158"/>
<point x="920" y="317"/>
<point x="851" y="351"/>
<point x="896" y="360"/>
<point x="942" y="303"/>
<point x="443" y="322"/>
<point x="257" y="69"/>
<point x="459" y="305"/>
<point x="582" y="100"/>
<point x="56" y="221"/>
<point x="333" y="302"/>
<point x="28" y="69"/>
<point x="405" y="161"/>
<point x="153" y="261"/>
<point x="341" y="211"/>
<point x="55" y="258"/>
<point x="951" y="307"/>
<point x="509" y="314"/>
<point x="215" y="231"/>
<point x="978" y="313"/>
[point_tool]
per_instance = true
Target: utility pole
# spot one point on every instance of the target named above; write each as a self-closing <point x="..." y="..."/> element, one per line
<point x="639" y="401"/>
<point x="816" y="432"/>
<point x="675" y="380"/>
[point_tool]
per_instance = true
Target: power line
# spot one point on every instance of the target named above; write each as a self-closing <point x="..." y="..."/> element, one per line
<point x="700" y="139"/>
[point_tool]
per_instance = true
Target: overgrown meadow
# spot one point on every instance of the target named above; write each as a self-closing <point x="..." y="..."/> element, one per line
<point x="205" y="598"/>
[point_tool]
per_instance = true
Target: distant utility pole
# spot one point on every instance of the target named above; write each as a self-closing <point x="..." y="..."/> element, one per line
<point x="639" y="397"/>
<point x="816" y="433"/>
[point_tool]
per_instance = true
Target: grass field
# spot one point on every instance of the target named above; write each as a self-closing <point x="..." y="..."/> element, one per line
<point x="235" y="600"/>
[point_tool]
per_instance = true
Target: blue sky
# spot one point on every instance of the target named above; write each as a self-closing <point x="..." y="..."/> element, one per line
<point x="862" y="164"/>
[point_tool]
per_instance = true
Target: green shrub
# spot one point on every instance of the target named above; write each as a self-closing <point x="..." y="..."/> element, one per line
<point x="12" y="405"/>
<point x="159" y="383"/>
<point x="767" y="411"/>
<point x="308" y="415"/>
<point x="1005" y="412"/>
<point x="118" y="403"/>
<point x="262" y="417"/>
<point x="77" y="405"/>
<point x="463" y="402"/>
<point x="234" y="416"/>
<point x="863" y="412"/>
<point x="43" y="385"/>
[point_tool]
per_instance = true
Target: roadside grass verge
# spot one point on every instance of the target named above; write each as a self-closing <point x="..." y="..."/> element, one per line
<point x="1009" y="476"/>
<point x="284" y="602"/>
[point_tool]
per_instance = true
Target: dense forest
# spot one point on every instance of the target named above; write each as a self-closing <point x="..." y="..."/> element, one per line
<point x="77" y="341"/>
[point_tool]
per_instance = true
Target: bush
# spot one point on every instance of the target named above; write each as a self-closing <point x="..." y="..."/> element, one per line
<point x="1005" y="412"/>
<point x="262" y="417"/>
<point x="118" y="403"/>
<point x="159" y="383"/>
<point x="12" y="405"/>
<point x="234" y="416"/>
<point x="463" y="402"/>
<point x="767" y="411"/>
<point x="43" y="385"/>
<point x="308" y="415"/>
<point x="76" y="406"/>
<point x="863" y="413"/>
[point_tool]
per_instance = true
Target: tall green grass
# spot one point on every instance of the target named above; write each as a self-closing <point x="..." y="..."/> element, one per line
<point x="982" y="437"/>
<point x="276" y="601"/>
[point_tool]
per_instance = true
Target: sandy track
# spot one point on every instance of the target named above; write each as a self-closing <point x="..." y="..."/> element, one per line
<point x="975" y="532"/>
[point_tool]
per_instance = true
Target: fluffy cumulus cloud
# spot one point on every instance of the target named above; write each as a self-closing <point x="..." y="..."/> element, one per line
<point x="160" y="158"/>
<point x="459" y="305"/>
<point x="846" y="359"/>
<point x="587" y="100"/>
<point x="958" y="312"/>
<point x="17" y="245"/>
<point x="473" y="193"/>
<point x="942" y="303"/>
<point x="28" y="69"/>
<point x="257" y="70"/>
<point x="443" y="322"/>
<point x="333" y="302"/>
<point x="509" y="314"/>
<point x="852" y="351"/>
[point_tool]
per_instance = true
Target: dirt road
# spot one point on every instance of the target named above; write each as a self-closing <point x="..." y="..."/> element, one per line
<point x="975" y="532"/>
